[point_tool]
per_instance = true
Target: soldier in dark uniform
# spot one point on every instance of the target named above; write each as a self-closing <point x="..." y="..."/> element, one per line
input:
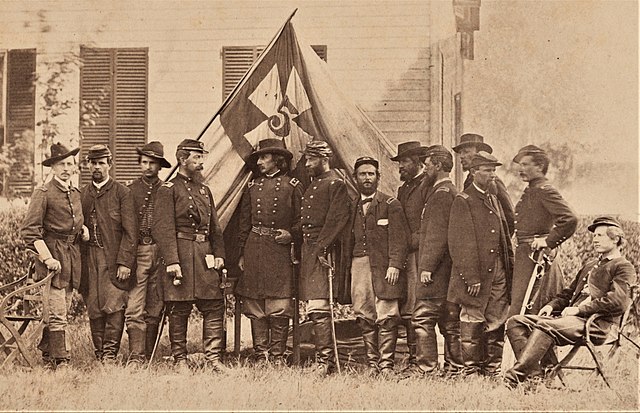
<point x="269" y="221"/>
<point x="412" y="196"/>
<point x="323" y="214"/>
<point x="543" y="220"/>
<point x="190" y="240"/>
<point x="375" y="252"/>
<point x="601" y="286"/>
<point x="482" y="259"/>
<point x="470" y="144"/>
<point x="107" y="206"/>
<point x="52" y="228"/>
<point x="434" y="265"/>
<point x="144" y="305"/>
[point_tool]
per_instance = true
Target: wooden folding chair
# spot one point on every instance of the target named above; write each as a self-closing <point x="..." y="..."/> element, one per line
<point x="24" y="312"/>
<point x="615" y="338"/>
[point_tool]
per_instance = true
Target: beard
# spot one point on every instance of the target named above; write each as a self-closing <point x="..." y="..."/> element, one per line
<point x="197" y="176"/>
<point x="97" y="177"/>
<point x="429" y="180"/>
<point x="367" y="189"/>
<point x="492" y="188"/>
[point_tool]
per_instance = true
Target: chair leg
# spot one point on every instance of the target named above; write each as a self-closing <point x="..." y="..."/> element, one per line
<point x="596" y="359"/>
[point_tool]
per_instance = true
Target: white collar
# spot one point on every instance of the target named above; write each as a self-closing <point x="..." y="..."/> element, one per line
<point x="363" y="197"/>
<point x="101" y="184"/>
<point x="419" y="172"/>
<point x="65" y="185"/>
<point x="479" y="190"/>
<point x="273" y="174"/>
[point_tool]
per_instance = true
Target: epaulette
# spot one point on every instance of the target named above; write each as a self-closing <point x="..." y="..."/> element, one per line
<point x="390" y="200"/>
<point x="43" y="188"/>
<point x="251" y="183"/>
<point x="294" y="182"/>
<point x="546" y="186"/>
<point x="442" y="189"/>
<point x="168" y="184"/>
<point x="463" y="195"/>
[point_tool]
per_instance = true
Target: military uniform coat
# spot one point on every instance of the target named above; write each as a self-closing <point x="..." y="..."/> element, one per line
<point x="412" y="196"/>
<point x="503" y="198"/>
<point x="324" y="212"/>
<point x="434" y="246"/>
<point x="478" y="236"/>
<point x="274" y="203"/>
<point x="55" y="212"/>
<point x="386" y="236"/>
<point x="187" y="207"/>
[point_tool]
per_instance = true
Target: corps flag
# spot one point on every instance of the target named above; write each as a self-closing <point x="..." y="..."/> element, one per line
<point x="287" y="94"/>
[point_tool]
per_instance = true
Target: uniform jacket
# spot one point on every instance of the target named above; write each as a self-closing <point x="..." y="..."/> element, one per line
<point x="434" y="246"/>
<point x="141" y="192"/>
<point x="503" y="198"/>
<point x="55" y="210"/>
<point x="117" y="224"/>
<point x="268" y="202"/>
<point x="478" y="234"/>
<point x="187" y="207"/>
<point x="411" y="196"/>
<point x="542" y="210"/>
<point x="607" y="281"/>
<point x="386" y="235"/>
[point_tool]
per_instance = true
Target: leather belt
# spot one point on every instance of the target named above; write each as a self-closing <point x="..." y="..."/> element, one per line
<point x="146" y="240"/>
<point x="68" y="238"/>
<point x="192" y="237"/>
<point x="528" y="239"/>
<point x="264" y="231"/>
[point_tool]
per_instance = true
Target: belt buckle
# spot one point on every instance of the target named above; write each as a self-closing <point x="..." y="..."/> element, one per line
<point x="147" y="240"/>
<point x="71" y="239"/>
<point x="200" y="238"/>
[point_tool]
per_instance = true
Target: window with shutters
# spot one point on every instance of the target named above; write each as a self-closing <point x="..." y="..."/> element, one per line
<point x="116" y="80"/>
<point x="17" y="117"/>
<point x="236" y="60"/>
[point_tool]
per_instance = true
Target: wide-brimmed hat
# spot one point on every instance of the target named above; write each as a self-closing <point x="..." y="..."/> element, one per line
<point x="366" y="160"/>
<point x="606" y="220"/>
<point x="192" y="145"/>
<point x="98" y="151"/>
<point x="317" y="149"/>
<point x="473" y="139"/>
<point x="526" y="151"/>
<point x="58" y="153"/>
<point x="483" y="158"/>
<point x="154" y="150"/>
<point x="272" y="145"/>
<point x="411" y="148"/>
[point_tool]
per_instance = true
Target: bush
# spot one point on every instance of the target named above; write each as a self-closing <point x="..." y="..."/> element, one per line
<point x="15" y="258"/>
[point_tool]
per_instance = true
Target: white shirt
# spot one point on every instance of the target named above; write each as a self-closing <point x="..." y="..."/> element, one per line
<point x="365" y="207"/>
<point x="66" y="185"/>
<point x="101" y="184"/>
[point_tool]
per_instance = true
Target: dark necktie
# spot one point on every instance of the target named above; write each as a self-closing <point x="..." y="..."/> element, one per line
<point x="365" y="205"/>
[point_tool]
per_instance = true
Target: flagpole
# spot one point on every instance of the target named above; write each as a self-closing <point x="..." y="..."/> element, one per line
<point x="240" y="83"/>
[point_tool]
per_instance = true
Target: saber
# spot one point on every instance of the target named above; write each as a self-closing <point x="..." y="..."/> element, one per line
<point x="331" y="304"/>
<point x="296" y="306"/>
<point x="163" y="320"/>
<point x="538" y="272"/>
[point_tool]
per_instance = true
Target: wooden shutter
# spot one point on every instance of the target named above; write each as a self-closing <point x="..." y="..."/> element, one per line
<point x="237" y="60"/>
<point x="21" y="115"/>
<point x="119" y="77"/>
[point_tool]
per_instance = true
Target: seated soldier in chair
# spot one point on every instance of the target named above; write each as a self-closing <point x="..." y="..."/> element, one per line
<point x="601" y="286"/>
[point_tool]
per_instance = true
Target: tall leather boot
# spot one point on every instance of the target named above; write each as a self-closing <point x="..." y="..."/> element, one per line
<point x="427" y="347"/>
<point x="260" y="337"/>
<point x="387" y="339"/>
<point x="529" y="362"/>
<point x="43" y="346"/>
<point x="412" y="340"/>
<point x="471" y="346"/>
<point x="493" y="346"/>
<point x="518" y="336"/>
<point x="213" y="338"/>
<point x="113" y="328"/>
<point x="97" y="325"/>
<point x="178" y="323"/>
<point x="325" y="358"/>
<point x="452" y="353"/>
<point x="279" y="336"/>
<point x="137" y="343"/>
<point x="58" y="348"/>
<point x="151" y="334"/>
<point x="369" y="332"/>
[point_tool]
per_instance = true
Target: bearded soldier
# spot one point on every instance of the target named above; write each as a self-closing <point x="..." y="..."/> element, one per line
<point x="269" y="219"/>
<point x="52" y="228"/>
<point x="323" y="214"/>
<point x="190" y="240"/>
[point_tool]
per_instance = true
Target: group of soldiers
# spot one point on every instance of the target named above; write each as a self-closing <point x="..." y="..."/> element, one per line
<point x="433" y="255"/>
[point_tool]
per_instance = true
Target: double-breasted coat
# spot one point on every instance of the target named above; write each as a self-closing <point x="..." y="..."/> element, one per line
<point x="385" y="233"/>
<point x="268" y="204"/>
<point x="503" y="198"/>
<point x="186" y="229"/>
<point x="411" y="195"/>
<point x="478" y="236"/>
<point x="434" y="246"/>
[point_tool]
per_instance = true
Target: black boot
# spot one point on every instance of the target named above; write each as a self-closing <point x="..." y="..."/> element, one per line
<point x="452" y="353"/>
<point x="529" y="362"/>
<point x="43" y="346"/>
<point x="137" y="344"/>
<point x="369" y="332"/>
<point x="260" y="337"/>
<point x="113" y="328"/>
<point x="518" y="336"/>
<point x="151" y="334"/>
<point x="412" y="341"/>
<point x="97" y="326"/>
<point x="493" y="346"/>
<point x="427" y="347"/>
<point x="279" y="336"/>
<point x="178" y="323"/>
<point x="387" y="339"/>
<point x="58" y="348"/>
<point x="325" y="357"/>
<point x="213" y="337"/>
<point x="471" y="346"/>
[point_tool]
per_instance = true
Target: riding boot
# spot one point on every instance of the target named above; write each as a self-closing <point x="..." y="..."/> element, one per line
<point x="518" y="336"/>
<point x="58" y="348"/>
<point x="260" y="336"/>
<point x="412" y="340"/>
<point x="279" y="336"/>
<point x="178" y="323"/>
<point x="452" y="353"/>
<point x="387" y="339"/>
<point x="427" y="348"/>
<point x="43" y="346"/>
<point x="113" y="328"/>
<point x="213" y="338"/>
<point x="137" y="343"/>
<point x="325" y="357"/>
<point x="471" y="346"/>
<point x="97" y="326"/>
<point x="494" y="344"/>
<point x="151" y="334"/>
<point x="529" y="362"/>
<point x="369" y="332"/>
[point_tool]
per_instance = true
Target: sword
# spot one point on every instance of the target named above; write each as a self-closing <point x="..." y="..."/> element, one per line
<point x="224" y="285"/>
<point x="332" y="304"/>
<point x="163" y="320"/>
<point x="296" y="307"/>
<point x="540" y="260"/>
